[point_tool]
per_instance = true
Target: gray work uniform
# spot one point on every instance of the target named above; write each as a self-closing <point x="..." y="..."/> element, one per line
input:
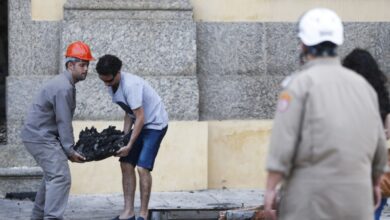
<point x="328" y="141"/>
<point x="48" y="136"/>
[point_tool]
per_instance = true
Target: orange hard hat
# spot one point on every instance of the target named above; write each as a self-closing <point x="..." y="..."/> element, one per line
<point x="79" y="50"/>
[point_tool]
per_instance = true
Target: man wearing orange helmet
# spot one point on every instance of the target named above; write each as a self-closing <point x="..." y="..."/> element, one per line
<point x="48" y="133"/>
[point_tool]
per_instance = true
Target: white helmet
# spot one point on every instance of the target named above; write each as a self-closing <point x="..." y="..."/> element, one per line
<point x="319" y="25"/>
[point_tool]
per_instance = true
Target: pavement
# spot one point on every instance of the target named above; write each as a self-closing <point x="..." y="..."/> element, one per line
<point x="107" y="206"/>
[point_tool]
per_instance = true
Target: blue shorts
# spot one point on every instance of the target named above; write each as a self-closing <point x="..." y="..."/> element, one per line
<point x="145" y="148"/>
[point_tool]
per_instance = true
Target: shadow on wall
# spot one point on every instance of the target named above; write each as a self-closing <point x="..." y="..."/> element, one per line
<point x="3" y="124"/>
<point x="3" y="67"/>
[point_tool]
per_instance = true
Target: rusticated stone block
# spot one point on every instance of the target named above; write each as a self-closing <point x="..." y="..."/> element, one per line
<point x="282" y="48"/>
<point x="179" y="94"/>
<point x="230" y="49"/>
<point x="33" y="45"/>
<point x="146" y="47"/>
<point x="238" y="97"/>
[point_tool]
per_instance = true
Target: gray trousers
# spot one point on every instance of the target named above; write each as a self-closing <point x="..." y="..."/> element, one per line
<point x="52" y="196"/>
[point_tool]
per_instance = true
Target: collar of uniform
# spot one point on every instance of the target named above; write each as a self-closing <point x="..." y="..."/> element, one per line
<point x="68" y="75"/>
<point x="322" y="61"/>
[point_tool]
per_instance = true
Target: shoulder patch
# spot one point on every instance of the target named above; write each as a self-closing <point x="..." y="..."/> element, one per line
<point x="284" y="101"/>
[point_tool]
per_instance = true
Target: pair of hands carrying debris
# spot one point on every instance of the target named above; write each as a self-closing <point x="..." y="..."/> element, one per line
<point x="94" y="146"/>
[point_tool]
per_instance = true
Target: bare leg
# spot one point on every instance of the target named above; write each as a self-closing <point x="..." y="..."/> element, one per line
<point x="145" y="183"/>
<point x="128" y="183"/>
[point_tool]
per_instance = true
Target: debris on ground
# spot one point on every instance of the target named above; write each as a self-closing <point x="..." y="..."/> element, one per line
<point x="252" y="213"/>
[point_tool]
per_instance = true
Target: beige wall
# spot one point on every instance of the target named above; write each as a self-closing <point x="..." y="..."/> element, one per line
<point x="252" y="10"/>
<point x="194" y="155"/>
<point x="49" y="10"/>
<point x="288" y="10"/>
<point x="237" y="153"/>
<point x="181" y="163"/>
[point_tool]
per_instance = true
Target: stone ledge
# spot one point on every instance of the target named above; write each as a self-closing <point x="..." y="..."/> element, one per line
<point x="19" y="179"/>
<point x="128" y="14"/>
<point x="129" y="5"/>
<point x="21" y="172"/>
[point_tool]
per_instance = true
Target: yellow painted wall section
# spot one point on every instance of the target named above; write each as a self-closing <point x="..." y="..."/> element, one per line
<point x="49" y="10"/>
<point x="180" y="165"/>
<point x="251" y="10"/>
<point x="237" y="153"/>
<point x="193" y="155"/>
<point x="287" y="10"/>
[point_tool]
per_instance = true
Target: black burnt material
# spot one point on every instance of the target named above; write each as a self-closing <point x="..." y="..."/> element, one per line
<point x="98" y="146"/>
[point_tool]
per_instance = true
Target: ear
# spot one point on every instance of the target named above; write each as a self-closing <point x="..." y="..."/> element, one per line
<point x="68" y="65"/>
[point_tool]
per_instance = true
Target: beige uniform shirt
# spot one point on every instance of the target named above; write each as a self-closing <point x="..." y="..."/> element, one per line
<point x="328" y="141"/>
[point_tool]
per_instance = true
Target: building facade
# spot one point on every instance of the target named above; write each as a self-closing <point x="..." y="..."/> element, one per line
<point x="217" y="65"/>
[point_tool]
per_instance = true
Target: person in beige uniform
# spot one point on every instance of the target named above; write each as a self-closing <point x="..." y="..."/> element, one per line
<point x="328" y="147"/>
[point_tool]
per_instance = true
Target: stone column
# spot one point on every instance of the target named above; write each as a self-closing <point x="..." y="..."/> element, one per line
<point x="33" y="58"/>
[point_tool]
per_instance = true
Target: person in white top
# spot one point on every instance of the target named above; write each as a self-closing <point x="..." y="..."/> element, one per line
<point x="146" y="119"/>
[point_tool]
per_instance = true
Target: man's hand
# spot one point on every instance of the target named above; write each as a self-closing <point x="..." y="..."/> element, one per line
<point x="273" y="179"/>
<point x="377" y="196"/>
<point x="76" y="157"/>
<point x="269" y="203"/>
<point x="123" y="152"/>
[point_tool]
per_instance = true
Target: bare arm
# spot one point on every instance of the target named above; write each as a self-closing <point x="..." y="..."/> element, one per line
<point x="138" y="125"/>
<point x="376" y="191"/>
<point x="380" y="163"/>
<point x="273" y="179"/>
<point x="387" y="126"/>
<point x="127" y="123"/>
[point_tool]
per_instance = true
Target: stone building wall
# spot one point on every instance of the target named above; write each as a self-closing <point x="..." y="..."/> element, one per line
<point x="240" y="65"/>
<point x="203" y="70"/>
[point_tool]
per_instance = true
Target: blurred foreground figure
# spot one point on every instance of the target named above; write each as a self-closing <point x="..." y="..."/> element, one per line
<point x="362" y="62"/>
<point x="328" y="145"/>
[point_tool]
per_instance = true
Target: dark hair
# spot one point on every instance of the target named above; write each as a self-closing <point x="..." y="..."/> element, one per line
<point x="324" y="49"/>
<point x="364" y="64"/>
<point x="108" y="65"/>
<point x="72" y="60"/>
